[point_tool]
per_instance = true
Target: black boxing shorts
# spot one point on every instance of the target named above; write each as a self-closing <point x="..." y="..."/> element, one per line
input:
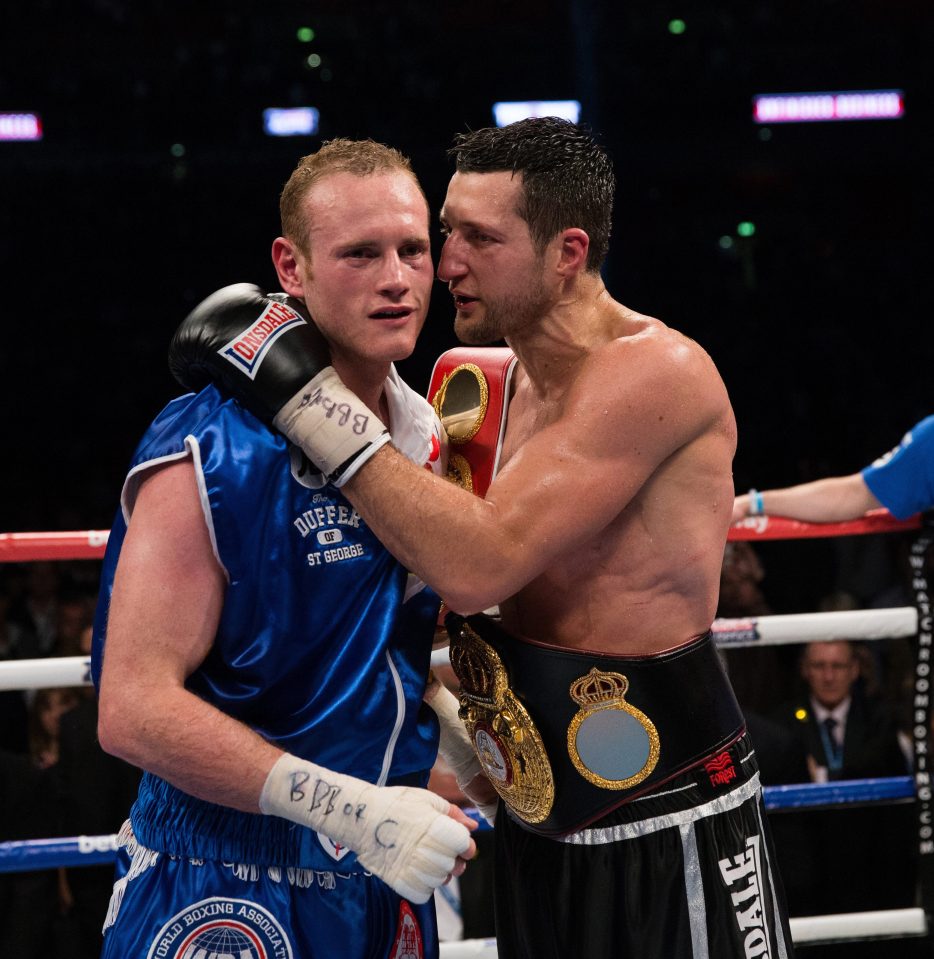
<point x="683" y="872"/>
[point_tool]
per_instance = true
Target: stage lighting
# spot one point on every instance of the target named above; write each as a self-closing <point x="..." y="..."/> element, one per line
<point x="824" y="107"/>
<point x="292" y="122"/>
<point x="509" y="111"/>
<point x="20" y="126"/>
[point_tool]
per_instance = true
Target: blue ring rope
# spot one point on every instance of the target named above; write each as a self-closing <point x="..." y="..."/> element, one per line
<point x="29" y="854"/>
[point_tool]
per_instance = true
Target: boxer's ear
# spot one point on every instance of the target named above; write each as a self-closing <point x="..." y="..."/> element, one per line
<point x="573" y="245"/>
<point x="288" y="263"/>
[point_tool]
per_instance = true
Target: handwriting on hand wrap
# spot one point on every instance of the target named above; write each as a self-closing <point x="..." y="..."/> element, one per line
<point x="386" y="843"/>
<point x="324" y="791"/>
<point x="342" y="410"/>
<point x="296" y="793"/>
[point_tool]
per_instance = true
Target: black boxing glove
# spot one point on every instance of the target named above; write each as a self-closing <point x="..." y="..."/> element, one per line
<point x="266" y="352"/>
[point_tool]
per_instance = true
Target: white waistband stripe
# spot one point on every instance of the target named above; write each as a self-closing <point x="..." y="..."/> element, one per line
<point x="632" y="830"/>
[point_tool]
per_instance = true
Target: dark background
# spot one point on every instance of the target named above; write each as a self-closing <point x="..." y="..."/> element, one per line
<point x="818" y="323"/>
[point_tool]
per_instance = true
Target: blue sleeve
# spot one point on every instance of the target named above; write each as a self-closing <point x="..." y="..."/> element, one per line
<point x="903" y="480"/>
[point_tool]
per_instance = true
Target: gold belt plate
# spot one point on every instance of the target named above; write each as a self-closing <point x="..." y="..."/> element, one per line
<point x="506" y="740"/>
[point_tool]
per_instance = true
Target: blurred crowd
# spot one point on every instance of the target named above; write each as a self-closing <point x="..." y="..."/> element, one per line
<point x="55" y="780"/>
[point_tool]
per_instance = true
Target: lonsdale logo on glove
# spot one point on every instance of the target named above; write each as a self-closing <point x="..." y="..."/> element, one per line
<point x="237" y="330"/>
<point x="247" y="349"/>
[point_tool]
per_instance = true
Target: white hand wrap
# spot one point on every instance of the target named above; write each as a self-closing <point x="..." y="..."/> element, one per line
<point x="455" y="746"/>
<point x="333" y="426"/>
<point x="399" y="833"/>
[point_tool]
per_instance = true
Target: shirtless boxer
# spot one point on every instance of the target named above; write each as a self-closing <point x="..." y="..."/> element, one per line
<point x="633" y="822"/>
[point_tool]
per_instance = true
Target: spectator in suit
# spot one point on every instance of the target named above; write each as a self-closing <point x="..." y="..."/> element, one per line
<point x="863" y="856"/>
<point x="847" y="734"/>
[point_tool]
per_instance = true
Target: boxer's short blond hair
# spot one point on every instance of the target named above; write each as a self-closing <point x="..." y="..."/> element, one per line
<point x="359" y="157"/>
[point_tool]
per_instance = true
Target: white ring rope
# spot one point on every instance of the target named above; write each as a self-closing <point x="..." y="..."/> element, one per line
<point x="764" y="631"/>
<point x="55" y="671"/>
<point x="841" y="927"/>
<point x="779" y="630"/>
<point x="775" y="630"/>
<point x="469" y="948"/>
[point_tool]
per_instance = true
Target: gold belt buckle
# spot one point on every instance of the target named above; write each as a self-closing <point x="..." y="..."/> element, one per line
<point x="506" y="740"/>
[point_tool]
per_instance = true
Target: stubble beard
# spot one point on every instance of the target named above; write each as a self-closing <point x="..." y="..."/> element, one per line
<point x="503" y="318"/>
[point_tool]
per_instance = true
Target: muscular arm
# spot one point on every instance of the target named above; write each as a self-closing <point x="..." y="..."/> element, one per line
<point x="831" y="500"/>
<point x="631" y="407"/>
<point x="167" y="599"/>
<point x="166" y="604"/>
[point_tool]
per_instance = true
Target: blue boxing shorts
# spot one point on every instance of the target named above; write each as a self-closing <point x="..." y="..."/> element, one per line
<point x="168" y="907"/>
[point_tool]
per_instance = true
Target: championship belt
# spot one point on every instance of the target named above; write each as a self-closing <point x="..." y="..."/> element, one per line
<point x="469" y="390"/>
<point x="566" y="736"/>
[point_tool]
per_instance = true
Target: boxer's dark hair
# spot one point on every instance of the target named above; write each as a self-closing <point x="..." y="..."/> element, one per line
<point x="358" y="157"/>
<point x="567" y="177"/>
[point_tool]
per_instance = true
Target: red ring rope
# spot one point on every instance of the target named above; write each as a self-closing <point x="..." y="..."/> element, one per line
<point x="91" y="543"/>
<point x="778" y="527"/>
<point x="30" y="547"/>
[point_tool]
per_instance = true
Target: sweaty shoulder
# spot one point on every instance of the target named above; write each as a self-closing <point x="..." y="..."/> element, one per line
<point x="652" y="369"/>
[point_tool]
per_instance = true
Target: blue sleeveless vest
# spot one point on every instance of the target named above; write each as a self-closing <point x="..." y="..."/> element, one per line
<point x="324" y="640"/>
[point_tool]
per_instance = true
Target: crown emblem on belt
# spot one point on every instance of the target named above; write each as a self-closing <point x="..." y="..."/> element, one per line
<point x="612" y="744"/>
<point x="598" y="688"/>
<point x="479" y="669"/>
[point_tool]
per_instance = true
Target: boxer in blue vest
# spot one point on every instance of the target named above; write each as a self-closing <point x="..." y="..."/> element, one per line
<point x="258" y="652"/>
